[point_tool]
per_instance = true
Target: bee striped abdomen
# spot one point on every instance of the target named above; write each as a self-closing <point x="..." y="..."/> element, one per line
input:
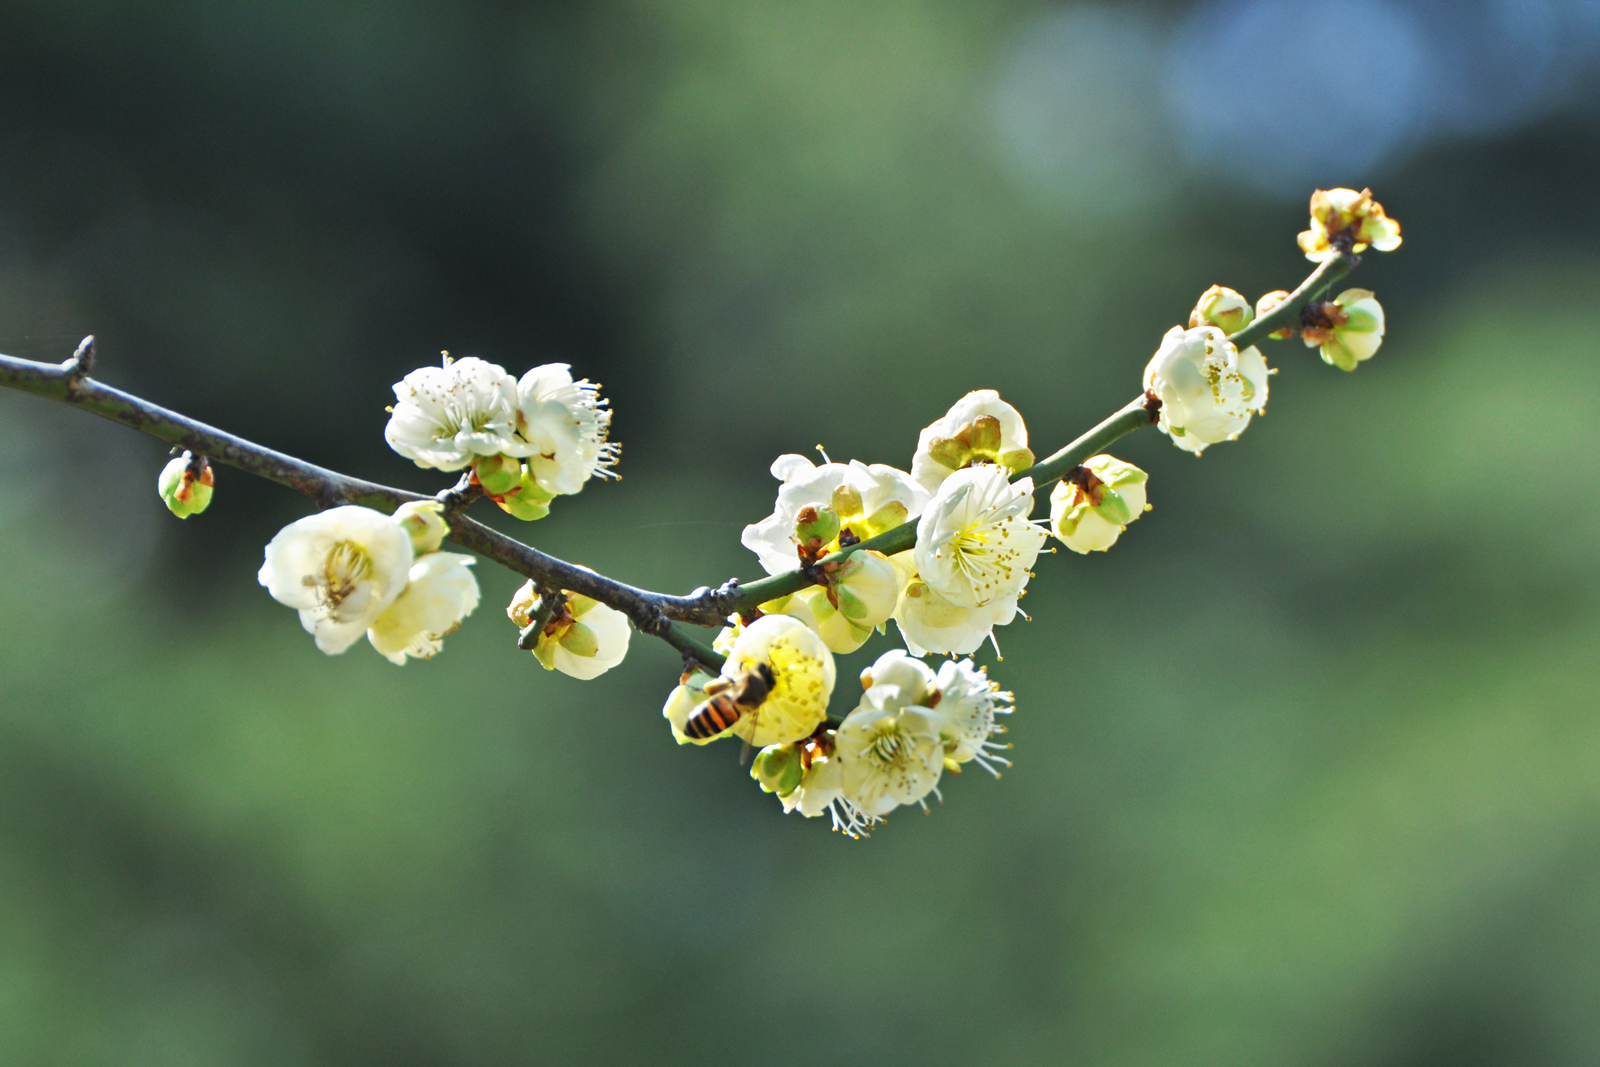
<point x="712" y="717"/>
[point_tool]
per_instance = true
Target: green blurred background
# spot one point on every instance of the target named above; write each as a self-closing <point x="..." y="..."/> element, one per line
<point x="1308" y="768"/>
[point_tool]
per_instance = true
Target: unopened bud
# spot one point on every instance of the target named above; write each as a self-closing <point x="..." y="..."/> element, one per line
<point x="1347" y="329"/>
<point x="1223" y="308"/>
<point x="777" y="769"/>
<point x="1269" y="301"/>
<point x="816" y="527"/>
<point x="1090" y="509"/>
<point x="185" y="485"/>
<point x="497" y="474"/>
<point x="866" y="588"/>
<point x="423" y="521"/>
<point x="527" y="500"/>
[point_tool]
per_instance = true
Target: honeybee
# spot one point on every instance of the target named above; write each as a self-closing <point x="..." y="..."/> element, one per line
<point x="727" y="701"/>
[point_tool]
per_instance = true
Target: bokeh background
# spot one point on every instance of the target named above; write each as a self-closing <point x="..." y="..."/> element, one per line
<point x="1308" y="768"/>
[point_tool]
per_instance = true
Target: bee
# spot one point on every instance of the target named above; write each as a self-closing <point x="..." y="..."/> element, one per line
<point x="728" y="700"/>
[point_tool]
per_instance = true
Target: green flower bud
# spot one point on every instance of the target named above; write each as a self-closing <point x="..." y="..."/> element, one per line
<point x="866" y="588"/>
<point x="777" y="769"/>
<point x="497" y="474"/>
<point x="1089" y="510"/>
<point x="185" y="485"/>
<point x="1223" y="308"/>
<point x="815" y="527"/>
<point x="423" y="520"/>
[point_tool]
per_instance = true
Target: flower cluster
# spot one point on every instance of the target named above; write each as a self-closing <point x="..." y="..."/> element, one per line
<point x="527" y="441"/>
<point x="945" y="549"/>
<point x="352" y="570"/>
<point x="912" y="725"/>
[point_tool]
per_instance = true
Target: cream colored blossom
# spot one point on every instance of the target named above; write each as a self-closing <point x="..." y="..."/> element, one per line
<point x="968" y="702"/>
<point x="1347" y="330"/>
<point x="444" y="416"/>
<point x="1089" y="511"/>
<point x="867" y="500"/>
<point x="340" y="569"/>
<point x="440" y="592"/>
<point x="890" y="752"/>
<point x="975" y="542"/>
<point x="803" y="677"/>
<point x="562" y="427"/>
<point x="821" y="790"/>
<point x="930" y="623"/>
<point x="685" y="697"/>
<point x="423" y="521"/>
<point x="1345" y="220"/>
<point x="1208" y="389"/>
<point x="584" y="638"/>
<point x="895" y="667"/>
<point x="980" y="428"/>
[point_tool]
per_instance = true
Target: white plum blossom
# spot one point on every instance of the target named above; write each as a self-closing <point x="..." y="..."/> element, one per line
<point x="930" y="623"/>
<point x="564" y="425"/>
<point x="340" y="569"/>
<point x="867" y="499"/>
<point x="423" y="521"/>
<point x="890" y="752"/>
<point x="980" y="428"/>
<point x="975" y="541"/>
<point x="803" y="676"/>
<point x="895" y="667"/>
<point x="1089" y="513"/>
<point x="441" y="591"/>
<point x="445" y="416"/>
<point x="1208" y="389"/>
<point x="821" y="790"/>
<point x="968" y="701"/>
<point x="583" y="639"/>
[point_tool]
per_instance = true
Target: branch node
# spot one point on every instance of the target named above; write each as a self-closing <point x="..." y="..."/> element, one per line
<point x="550" y="602"/>
<point x="463" y="493"/>
<point x="1152" y="404"/>
<point x="79" y="365"/>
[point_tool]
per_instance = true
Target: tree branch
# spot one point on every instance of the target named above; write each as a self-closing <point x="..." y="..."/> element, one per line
<point x="652" y="613"/>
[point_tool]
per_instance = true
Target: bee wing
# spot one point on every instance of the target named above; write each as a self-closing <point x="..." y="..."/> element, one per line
<point x="753" y="715"/>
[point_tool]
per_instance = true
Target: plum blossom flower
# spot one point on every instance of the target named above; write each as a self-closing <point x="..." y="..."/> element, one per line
<point x="821" y="789"/>
<point x="1346" y="330"/>
<point x="563" y="425"/>
<point x="1208" y="389"/>
<point x="444" y="416"/>
<point x="1091" y="507"/>
<point x="890" y="752"/>
<point x="975" y="541"/>
<point x="968" y="701"/>
<point x="441" y="591"/>
<point x="866" y="500"/>
<point x="803" y="676"/>
<point x="340" y="569"/>
<point x="1345" y="220"/>
<point x="584" y="638"/>
<point x="930" y="623"/>
<point x="980" y="428"/>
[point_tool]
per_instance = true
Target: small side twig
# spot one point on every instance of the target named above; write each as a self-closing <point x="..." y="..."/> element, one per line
<point x="549" y="603"/>
<point x="79" y="366"/>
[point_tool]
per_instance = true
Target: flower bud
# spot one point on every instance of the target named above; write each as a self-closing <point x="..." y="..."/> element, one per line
<point x="497" y="474"/>
<point x="814" y="528"/>
<point x="1269" y="301"/>
<point x="777" y="769"/>
<point x="1223" y="308"/>
<point x="527" y="500"/>
<point x="866" y="588"/>
<point x="1347" y="329"/>
<point x="424" y="521"/>
<point x="1090" y="509"/>
<point x="185" y="485"/>
<point x="1343" y="220"/>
